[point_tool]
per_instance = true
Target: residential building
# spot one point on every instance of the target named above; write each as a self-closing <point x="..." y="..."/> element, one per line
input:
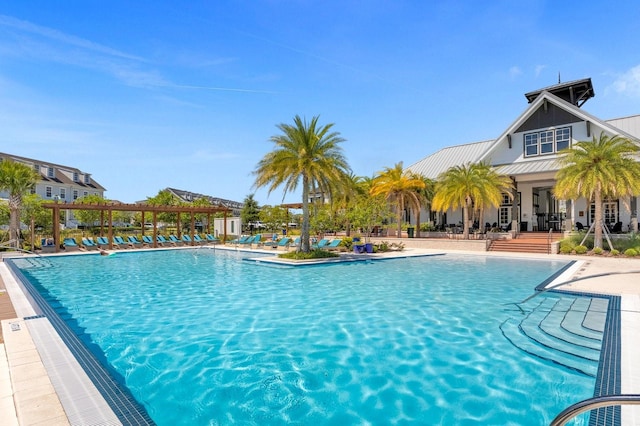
<point x="59" y="183"/>
<point x="527" y="151"/>
<point x="188" y="197"/>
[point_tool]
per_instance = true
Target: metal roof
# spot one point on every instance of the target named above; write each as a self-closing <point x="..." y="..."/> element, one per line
<point x="529" y="167"/>
<point x="439" y="162"/>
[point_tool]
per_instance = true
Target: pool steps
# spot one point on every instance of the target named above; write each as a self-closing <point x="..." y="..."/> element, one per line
<point x="567" y="331"/>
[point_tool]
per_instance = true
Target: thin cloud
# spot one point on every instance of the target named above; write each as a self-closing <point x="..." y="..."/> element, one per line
<point x="51" y="34"/>
<point x="539" y="69"/>
<point x="514" y="72"/>
<point x="628" y="83"/>
<point x="49" y="44"/>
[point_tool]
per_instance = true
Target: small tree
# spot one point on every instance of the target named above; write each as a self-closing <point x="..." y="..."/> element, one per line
<point x="273" y="216"/>
<point x="250" y="210"/>
<point x="368" y="212"/>
<point x="18" y="179"/>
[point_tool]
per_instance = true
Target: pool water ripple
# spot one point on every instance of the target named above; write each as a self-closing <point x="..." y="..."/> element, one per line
<point x="211" y="339"/>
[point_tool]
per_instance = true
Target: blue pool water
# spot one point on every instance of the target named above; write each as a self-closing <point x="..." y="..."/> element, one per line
<point x="206" y="338"/>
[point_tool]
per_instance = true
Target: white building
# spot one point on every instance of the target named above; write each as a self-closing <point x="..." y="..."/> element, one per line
<point x="527" y="152"/>
<point x="58" y="183"/>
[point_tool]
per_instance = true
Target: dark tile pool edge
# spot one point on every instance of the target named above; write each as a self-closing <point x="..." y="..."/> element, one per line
<point x="128" y="410"/>
<point x="608" y="377"/>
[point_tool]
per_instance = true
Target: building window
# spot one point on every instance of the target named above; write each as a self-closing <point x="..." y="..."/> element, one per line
<point x="76" y="177"/>
<point x="51" y="172"/>
<point x="85" y="193"/>
<point x="547" y="141"/>
<point x="47" y="191"/>
<point x="75" y="194"/>
<point x="531" y="144"/>
<point x="36" y="167"/>
<point x="87" y="179"/>
<point x="63" y="193"/>
<point x="563" y="138"/>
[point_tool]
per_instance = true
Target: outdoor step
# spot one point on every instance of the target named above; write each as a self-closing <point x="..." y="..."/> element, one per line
<point x="512" y="332"/>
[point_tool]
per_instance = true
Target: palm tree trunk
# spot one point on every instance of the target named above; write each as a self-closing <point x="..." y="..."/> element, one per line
<point x="465" y="221"/>
<point x="597" y="232"/>
<point x="399" y="216"/>
<point x="304" y="234"/>
<point x="14" y="219"/>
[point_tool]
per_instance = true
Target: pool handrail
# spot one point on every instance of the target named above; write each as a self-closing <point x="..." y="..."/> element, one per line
<point x="593" y="403"/>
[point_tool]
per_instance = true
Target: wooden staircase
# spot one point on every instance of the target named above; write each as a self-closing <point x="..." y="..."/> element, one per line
<point x="527" y="242"/>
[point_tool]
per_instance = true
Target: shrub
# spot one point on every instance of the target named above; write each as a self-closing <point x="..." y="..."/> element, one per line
<point x="580" y="249"/>
<point x="631" y="252"/>
<point x="597" y="250"/>
<point x="565" y="249"/>
<point x="615" y="252"/>
<point x="314" y="254"/>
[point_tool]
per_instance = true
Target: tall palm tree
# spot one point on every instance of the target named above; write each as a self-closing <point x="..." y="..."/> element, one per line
<point x="469" y="185"/>
<point x="597" y="170"/>
<point x="399" y="187"/>
<point x="425" y="195"/>
<point x="18" y="179"/>
<point x="306" y="154"/>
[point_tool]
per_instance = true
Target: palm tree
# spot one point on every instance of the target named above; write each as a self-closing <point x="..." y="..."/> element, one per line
<point x="468" y="185"/>
<point x="18" y="179"/>
<point x="425" y="196"/>
<point x="399" y="187"/>
<point x="306" y="154"/>
<point x="597" y="170"/>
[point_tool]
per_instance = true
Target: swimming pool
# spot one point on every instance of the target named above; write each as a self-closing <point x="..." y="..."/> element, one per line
<point x="204" y="337"/>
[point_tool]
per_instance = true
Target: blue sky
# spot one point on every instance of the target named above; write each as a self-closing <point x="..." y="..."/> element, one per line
<point x="151" y="94"/>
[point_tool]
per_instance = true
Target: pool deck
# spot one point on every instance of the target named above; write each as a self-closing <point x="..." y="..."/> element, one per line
<point x="33" y="393"/>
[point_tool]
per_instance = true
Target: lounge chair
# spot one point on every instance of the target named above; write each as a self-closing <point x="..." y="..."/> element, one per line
<point x="199" y="240"/>
<point x="282" y="242"/>
<point x="335" y="245"/>
<point x="162" y="241"/>
<point x="102" y="242"/>
<point x="121" y="243"/>
<point x="241" y="240"/>
<point x="47" y="245"/>
<point x="211" y="239"/>
<point x="320" y="244"/>
<point x="294" y="243"/>
<point x="257" y="240"/>
<point x="135" y="241"/>
<point x="88" y="244"/>
<point x="70" y="244"/>
<point x="186" y="239"/>
<point x="147" y="240"/>
<point x="175" y="240"/>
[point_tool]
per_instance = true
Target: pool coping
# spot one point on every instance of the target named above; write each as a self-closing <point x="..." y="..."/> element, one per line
<point x="635" y="304"/>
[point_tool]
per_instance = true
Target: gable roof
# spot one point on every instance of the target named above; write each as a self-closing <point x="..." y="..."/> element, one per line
<point x="537" y="103"/>
<point x="439" y="162"/>
<point x="60" y="178"/>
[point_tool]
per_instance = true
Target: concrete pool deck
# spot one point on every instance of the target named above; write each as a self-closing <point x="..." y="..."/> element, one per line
<point x="31" y="390"/>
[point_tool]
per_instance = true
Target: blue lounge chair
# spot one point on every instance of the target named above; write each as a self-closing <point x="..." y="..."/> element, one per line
<point x="135" y="241"/>
<point x="282" y="242"/>
<point x="121" y="243"/>
<point x="88" y="244"/>
<point x="242" y="240"/>
<point x="102" y="242"/>
<point x="211" y="239"/>
<point x="70" y="244"/>
<point x="295" y="243"/>
<point x="47" y="245"/>
<point x="175" y="240"/>
<point x="198" y="239"/>
<point x="163" y="241"/>
<point x="334" y="245"/>
<point x="320" y="244"/>
<point x="257" y="240"/>
<point x="148" y="240"/>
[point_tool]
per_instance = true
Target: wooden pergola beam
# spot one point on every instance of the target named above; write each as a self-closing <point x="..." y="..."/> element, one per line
<point x="120" y="207"/>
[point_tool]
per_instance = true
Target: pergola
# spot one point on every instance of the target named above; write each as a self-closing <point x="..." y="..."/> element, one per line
<point x="109" y="208"/>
